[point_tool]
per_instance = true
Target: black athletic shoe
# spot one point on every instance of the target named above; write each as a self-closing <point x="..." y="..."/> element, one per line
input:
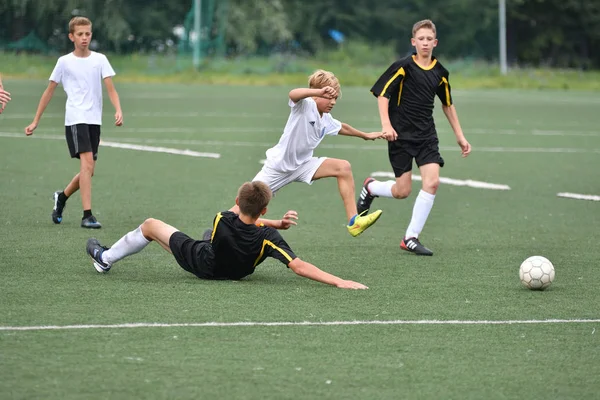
<point x="207" y="235"/>
<point x="366" y="198"/>
<point x="90" y="223"/>
<point x="58" y="208"/>
<point x="95" y="250"/>
<point x="414" y="246"/>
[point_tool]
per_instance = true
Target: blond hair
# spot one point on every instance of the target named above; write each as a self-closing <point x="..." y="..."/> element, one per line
<point x="321" y="78"/>
<point x="78" y="21"/>
<point x="426" y="23"/>
<point x="253" y="197"/>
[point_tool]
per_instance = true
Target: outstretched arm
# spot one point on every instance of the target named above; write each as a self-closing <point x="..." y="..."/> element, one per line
<point x="302" y="93"/>
<point x="46" y="97"/>
<point x="452" y="116"/>
<point x="309" y="271"/>
<point x="289" y="219"/>
<point x="348" y="130"/>
<point x="114" y="99"/>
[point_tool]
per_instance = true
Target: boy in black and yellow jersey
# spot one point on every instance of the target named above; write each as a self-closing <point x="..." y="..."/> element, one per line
<point x="237" y="244"/>
<point x="405" y="96"/>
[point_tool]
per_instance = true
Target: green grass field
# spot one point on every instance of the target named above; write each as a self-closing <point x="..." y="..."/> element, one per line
<point x="441" y="342"/>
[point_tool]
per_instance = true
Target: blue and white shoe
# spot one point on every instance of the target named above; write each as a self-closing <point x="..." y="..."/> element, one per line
<point x="90" y="223"/>
<point x="95" y="250"/>
<point x="58" y="208"/>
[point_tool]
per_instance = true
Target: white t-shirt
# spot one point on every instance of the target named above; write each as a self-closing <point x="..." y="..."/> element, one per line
<point x="303" y="132"/>
<point x="82" y="80"/>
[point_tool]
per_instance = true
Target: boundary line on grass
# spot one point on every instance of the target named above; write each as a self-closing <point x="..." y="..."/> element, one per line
<point x="578" y="196"/>
<point x="449" y="181"/>
<point x="299" y="323"/>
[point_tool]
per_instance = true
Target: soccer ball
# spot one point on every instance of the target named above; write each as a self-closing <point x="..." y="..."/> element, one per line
<point x="537" y="273"/>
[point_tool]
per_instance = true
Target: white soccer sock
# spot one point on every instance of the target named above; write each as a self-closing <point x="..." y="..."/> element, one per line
<point x="382" y="189"/>
<point x="131" y="243"/>
<point x="421" y="210"/>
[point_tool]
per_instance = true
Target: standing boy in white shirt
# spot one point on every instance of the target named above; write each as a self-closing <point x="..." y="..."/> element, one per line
<point x="291" y="160"/>
<point x="81" y="74"/>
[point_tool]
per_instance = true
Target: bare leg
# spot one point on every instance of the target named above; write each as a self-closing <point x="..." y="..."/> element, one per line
<point x="85" y="179"/>
<point x="403" y="186"/>
<point x="160" y="232"/>
<point x="340" y="169"/>
<point x="73" y="186"/>
<point x="431" y="177"/>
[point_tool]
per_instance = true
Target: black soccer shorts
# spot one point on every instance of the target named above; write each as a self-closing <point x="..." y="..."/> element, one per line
<point x="402" y="153"/>
<point x="195" y="256"/>
<point x="83" y="138"/>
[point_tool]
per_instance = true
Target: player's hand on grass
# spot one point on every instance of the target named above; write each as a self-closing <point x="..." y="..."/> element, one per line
<point x="119" y="118"/>
<point x="29" y="129"/>
<point x="389" y="133"/>
<point x="289" y="219"/>
<point x="327" y="92"/>
<point x="350" y="285"/>
<point x="465" y="147"/>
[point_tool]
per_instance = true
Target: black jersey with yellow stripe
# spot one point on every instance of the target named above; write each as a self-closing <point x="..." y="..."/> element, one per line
<point x="411" y="90"/>
<point x="239" y="247"/>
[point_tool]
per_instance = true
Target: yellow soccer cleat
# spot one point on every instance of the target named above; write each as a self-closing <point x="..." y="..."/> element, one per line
<point x="362" y="222"/>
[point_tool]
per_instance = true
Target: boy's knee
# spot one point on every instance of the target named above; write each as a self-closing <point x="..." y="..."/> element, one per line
<point x="431" y="185"/>
<point x="345" y="168"/>
<point x="401" y="192"/>
<point x="149" y="221"/>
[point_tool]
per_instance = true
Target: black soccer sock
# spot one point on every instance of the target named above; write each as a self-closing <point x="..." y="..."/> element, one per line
<point x="87" y="214"/>
<point x="62" y="197"/>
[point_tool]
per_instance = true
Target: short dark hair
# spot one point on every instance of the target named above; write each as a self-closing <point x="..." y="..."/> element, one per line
<point x="253" y="197"/>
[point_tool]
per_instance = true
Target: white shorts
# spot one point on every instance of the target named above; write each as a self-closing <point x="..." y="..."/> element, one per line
<point x="277" y="179"/>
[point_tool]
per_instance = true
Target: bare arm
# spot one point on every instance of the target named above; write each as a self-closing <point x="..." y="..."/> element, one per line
<point x="284" y="223"/>
<point x="452" y="116"/>
<point x="44" y="101"/>
<point x="389" y="133"/>
<point x="302" y="93"/>
<point x="309" y="271"/>
<point x="348" y="130"/>
<point x="114" y="99"/>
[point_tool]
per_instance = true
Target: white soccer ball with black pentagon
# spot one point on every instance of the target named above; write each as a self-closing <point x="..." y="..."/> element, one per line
<point x="537" y="273"/>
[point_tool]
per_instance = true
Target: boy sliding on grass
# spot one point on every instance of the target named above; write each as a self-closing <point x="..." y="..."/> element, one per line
<point x="405" y="96"/>
<point x="232" y="250"/>
<point x="81" y="74"/>
<point x="291" y="160"/>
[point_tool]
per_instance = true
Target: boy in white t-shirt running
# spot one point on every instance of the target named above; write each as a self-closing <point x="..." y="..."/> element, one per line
<point x="291" y="160"/>
<point x="81" y="74"/>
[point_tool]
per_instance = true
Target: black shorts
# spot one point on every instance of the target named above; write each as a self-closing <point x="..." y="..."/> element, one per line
<point x="83" y="138"/>
<point x="195" y="256"/>
<point x="402" y="152"/>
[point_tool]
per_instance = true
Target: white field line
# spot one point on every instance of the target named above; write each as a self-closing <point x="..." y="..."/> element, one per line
<point x="167" y="150"/>
<point x="323" y="145"/>
<point x="450" y="181"/>
<point x="300" y="323"/>
<point x="579" y="196"/>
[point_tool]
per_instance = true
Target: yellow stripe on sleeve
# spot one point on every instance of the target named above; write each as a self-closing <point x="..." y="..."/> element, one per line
<point x="393" y="78"/>
<point x="262" y="251"/>
<point x="217" y="219"/>
<point x="447" y="87"/>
